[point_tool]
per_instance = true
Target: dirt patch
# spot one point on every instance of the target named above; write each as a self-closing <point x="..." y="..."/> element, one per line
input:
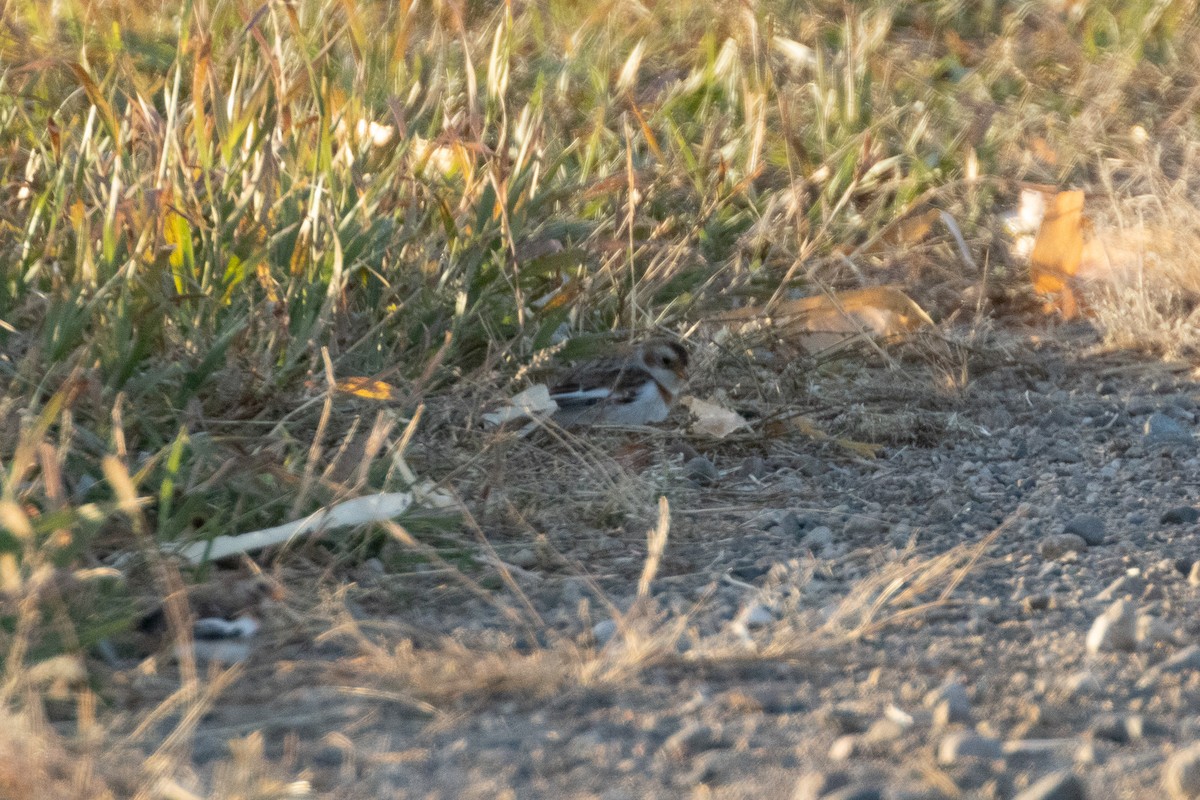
<point x="818" y="623"/>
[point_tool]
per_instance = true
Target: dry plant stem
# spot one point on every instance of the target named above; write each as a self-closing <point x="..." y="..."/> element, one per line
<point x="166" y="756"/>
<point x="170" y="582"/>
<point x="501" y="567"/>
<point x="656" y="541"/>
<point x="407" y="539"/>
<point x="314" y="449"/>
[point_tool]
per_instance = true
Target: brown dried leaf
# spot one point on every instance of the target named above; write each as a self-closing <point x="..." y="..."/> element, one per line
<point x="824" y="321"/>
<point x="1057" y="252"/>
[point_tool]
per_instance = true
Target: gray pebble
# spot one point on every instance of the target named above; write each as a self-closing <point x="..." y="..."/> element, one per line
<point x="1089" y="527"/>
<point x="863" y="525"/>
<point x="1161" y="429"/>
<point x="1064" y="454"/>
<point x="1181" y="515"/>
<point x="855" y="793"/>
<point x="702" y="471"/>
<point x="964" y="744"/>
<point x="1037" y="602"/>
<point x="1125" y="586"/>
<point x="942" y="510"/>
<point x="1181" y="774"/>
<point x="1115" y="629"/>
<point x="1186" y="659"/>
<point x="818" y="785"/>
<point x="789" y="526"/>
<point x="819" y="537"/>
<point x="603" y="631"/>
<point x="753" y="467"/>
<point x="524" y="558"/>
<point x="329" y="757"/>
<point x="1118" y="728"/>
<point x="883" y="730"/>
<point x="756" y="615"/>
<point x="950" y="703"/>
<point x="1063" y="785"/>
<point x="1058" y="545"/>
<point x="691" y="739"/>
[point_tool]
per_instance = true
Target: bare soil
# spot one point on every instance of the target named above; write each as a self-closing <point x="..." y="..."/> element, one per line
<point x="820" y="624"/>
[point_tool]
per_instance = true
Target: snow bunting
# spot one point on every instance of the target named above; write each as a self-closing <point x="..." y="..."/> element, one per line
<point x="631" y="390"/>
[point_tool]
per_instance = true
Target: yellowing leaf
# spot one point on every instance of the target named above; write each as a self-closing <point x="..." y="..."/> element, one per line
<point x="177" y="233"/>
<point x="97" y="98"/>
<point x="369" y="388"/>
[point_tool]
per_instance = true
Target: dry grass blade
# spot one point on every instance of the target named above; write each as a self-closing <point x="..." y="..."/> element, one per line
<point x="656" y="541"/>
<point x="906" y="589"/>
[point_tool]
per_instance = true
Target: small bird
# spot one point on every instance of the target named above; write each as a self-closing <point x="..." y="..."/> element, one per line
<point x="635" y="389"/>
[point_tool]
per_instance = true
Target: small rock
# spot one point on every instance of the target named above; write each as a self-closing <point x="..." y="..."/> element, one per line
<point x="524" y="558"/>
<point x="756" y="615"/>
<point x="1152" y="631"/>
<point x="1082" y="682"/>
<point x="1186" y="659"/>
<point x="1063" y="785"/>
<point x="883" y="730"/>
<point x="1064" y="454"/>
<point x="1115" y="629"/>
<point x="843" y="720"/>
<point x="817" y="785"/>
<point x="818" y="538"/>
<point x="691" y="739"/>
<point x="1058" y="545"/>
<point x="964" y="744"/>
<point x="1194" y="574"/>
<point x="702" y="471"/>
<point x="329" y="757"/>
<point x="950" y="703"/>
<point x="855" y="793"/>
<point x="862" y="525"/>
<point x="1037" y="602"/>
<point x="753" y="467"/>
<point x="844" y="747"/>
<point x="1089" y="754"/>
<point x="1127" y="585"/>
<point x="789" y="526"/>
<point x="1181" y="774"/>
<point x="602" y="631"/>
<point x="906" y="720"/>
<point x="1117" y="728"/>
<point x="1088" y="527"/>
<point x="1181" y="515"/>
<point x="942" y="510"/>
<point x="1161" y="429"/>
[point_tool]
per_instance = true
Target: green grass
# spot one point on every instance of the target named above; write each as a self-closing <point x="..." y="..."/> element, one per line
<point x="195" y="233"/>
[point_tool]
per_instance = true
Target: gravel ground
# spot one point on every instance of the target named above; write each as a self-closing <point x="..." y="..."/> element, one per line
<point x="1003" y="604"/>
